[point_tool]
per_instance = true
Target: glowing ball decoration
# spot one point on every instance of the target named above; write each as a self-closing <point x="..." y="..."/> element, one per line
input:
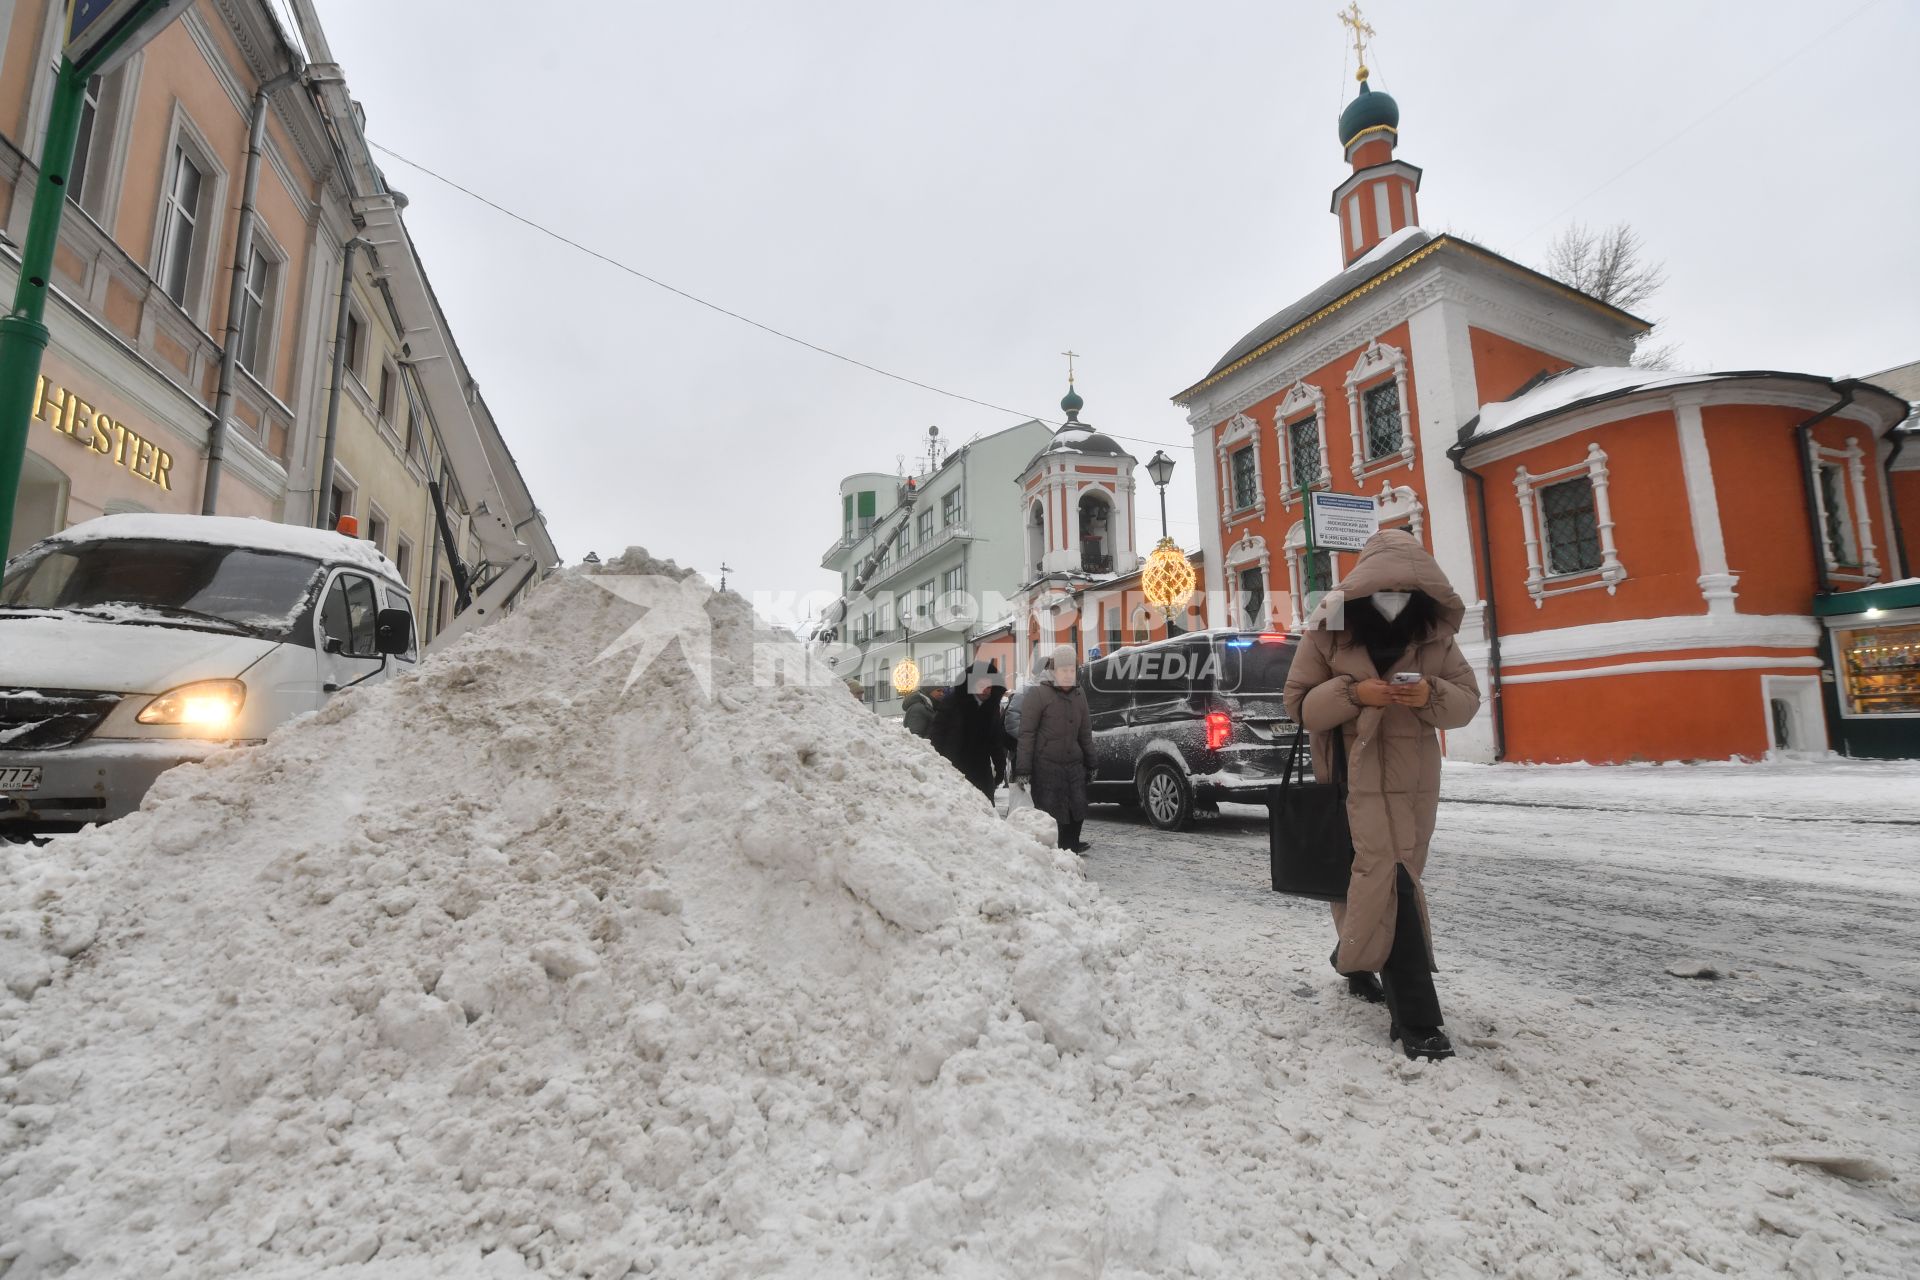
<point x="1168" y="581"/>
<point x="906" y="676"/>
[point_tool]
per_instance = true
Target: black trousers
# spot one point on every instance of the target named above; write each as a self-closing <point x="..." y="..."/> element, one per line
<point x="1408" y="977"/>
<point x="1070" y="833"/>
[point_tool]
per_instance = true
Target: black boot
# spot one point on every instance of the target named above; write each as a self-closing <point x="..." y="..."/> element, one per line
<point x="1430" y="1043"/>
<point x="1362" y="986"/>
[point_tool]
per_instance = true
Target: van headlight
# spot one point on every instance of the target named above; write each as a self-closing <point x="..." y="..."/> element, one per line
<point x="208" y="706"/>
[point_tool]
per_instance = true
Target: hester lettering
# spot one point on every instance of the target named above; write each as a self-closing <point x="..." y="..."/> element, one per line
<point x="96" y="432"/>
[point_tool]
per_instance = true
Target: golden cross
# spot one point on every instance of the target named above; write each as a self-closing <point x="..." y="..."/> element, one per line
<point x="1071" y="357"/>
<point x="1351" y="19"/>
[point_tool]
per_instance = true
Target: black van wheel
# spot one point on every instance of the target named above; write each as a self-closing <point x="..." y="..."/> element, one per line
<point x="1166" y="797"/>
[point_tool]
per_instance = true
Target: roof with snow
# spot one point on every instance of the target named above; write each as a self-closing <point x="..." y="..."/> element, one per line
<point x="233" y="531"/>
<point x="1398" y="248"/>
<point x="1079" y="438"/>
<point x="1557" y="393"/>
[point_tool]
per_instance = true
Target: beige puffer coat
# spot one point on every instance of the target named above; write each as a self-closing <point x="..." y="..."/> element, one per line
<point x="1393" y="752"/>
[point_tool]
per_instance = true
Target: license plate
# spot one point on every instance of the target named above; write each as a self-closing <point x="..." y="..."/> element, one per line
<point x="19" y="779"/>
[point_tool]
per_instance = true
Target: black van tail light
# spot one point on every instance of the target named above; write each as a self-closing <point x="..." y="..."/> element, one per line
<point x="1219" y="729"/>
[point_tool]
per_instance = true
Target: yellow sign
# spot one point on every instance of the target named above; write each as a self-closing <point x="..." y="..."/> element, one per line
<point x="85" y="425"/>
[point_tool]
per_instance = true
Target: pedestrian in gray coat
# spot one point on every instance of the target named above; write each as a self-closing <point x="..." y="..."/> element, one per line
<point x="1056" y="745"/>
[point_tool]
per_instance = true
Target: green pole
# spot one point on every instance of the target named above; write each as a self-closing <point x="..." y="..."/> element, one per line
<point x="23" y="332"/>
<point x="1306" y="505"/>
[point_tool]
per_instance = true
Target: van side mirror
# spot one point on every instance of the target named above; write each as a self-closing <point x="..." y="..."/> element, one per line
<point x="393" y="631"/>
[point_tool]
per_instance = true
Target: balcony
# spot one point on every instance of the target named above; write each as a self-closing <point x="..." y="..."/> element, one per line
<point x="1092" y="561"/>
<point x="955" y="532"/>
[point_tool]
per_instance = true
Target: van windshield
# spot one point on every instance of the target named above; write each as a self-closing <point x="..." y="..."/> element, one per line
<point x="192" y="584"/>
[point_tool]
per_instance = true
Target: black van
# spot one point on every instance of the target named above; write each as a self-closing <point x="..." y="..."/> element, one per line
<point x="1190" y="721"/>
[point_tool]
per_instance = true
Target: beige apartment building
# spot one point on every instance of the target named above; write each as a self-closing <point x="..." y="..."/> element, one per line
<point x="144" y="270"/>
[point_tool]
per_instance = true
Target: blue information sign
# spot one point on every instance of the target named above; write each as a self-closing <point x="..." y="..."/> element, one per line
<point x="93" y="24"/>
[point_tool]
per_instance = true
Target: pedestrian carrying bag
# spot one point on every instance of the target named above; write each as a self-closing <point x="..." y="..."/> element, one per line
<point x="1018" y="798"/>
<point x="1309" y="844"/>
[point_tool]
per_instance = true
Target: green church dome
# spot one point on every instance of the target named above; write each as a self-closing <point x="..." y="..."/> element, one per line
<point x="1368" y="111"/>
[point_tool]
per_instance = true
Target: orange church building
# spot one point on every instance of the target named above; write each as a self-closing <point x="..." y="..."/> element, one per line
<point x="1656" y="563"/>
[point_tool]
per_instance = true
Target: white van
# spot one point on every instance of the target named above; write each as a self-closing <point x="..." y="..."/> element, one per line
<point x="133" y="643"/>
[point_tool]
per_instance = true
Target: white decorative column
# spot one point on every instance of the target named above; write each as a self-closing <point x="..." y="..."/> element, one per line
<point x="1716" y="580"/>
<point x="1863" y="515"/>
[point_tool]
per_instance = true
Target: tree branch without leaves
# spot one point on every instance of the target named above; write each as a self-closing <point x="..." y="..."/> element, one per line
<point x="1610" y="264"/>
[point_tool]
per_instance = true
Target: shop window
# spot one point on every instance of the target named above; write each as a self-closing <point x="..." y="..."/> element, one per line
<point x="1573" y="526"/>
<point x="1382" y="411"/>
<point x="1303" y="452"/>
<point x="1246" y="486"/>
<point x="1880" y="669"/>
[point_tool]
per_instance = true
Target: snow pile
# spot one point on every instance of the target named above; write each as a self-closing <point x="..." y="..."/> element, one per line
<point x="498" y="969"/>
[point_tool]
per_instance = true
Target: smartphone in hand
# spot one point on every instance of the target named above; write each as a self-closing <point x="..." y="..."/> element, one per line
<point x="1406" y="677"/>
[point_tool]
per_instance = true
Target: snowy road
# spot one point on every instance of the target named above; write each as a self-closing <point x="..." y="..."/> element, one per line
<point x="1560" y="899"/>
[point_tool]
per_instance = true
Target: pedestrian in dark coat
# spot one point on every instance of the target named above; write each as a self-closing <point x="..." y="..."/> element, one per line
<point x="917" y="713"/>
<point x="1056" y="745"/>
<point x="966" y="728"/>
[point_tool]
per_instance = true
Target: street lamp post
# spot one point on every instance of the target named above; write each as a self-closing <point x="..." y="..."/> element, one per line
<point x="1160" y="470"/>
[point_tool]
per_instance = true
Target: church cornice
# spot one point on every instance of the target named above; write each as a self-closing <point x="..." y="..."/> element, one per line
<point x="1432" y="251"/>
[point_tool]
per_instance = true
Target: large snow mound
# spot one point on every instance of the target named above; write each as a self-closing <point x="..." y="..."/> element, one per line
<point x="502" y="966"/>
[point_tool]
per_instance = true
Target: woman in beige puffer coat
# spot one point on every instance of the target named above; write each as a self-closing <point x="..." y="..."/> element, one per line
<point x="1394" y="615"/>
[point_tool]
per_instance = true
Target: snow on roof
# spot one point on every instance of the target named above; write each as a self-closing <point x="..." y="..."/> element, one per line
<point x="1577" y="386"/>
<point x="234" y="531"/>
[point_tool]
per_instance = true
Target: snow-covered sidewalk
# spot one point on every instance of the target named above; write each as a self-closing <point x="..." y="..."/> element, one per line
<point x="1603" y="1111"/>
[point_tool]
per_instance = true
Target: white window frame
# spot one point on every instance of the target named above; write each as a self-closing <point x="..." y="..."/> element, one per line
<point x="344" y="482"/>
<point x="1533" y="524"/>
<point x="1250" y="550"/>
<point x="953" y="509"/>
<point x="1850" y="462"/>
<point x="1375" y="364"/>
<point x="358" y="342"/>
<point x="1302" y="397"/>
<point x="185" y="139"/>
<point x="266" y="351"/>
<point x="386" y="393"/>
<point x="1240" y="429"/>
<point x="376" y="516"/>
<point x="403" y="558"/>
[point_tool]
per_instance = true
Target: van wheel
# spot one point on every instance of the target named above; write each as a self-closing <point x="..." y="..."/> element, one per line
<point x="1166" y="797"/>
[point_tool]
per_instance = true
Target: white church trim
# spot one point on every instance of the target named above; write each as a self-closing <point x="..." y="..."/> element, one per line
<point x="1377" y="360"/>
<point x="1301" y="398"/>
<point x="1533" y="523"/>
<point x="1240" y="428"/>
<point x="1251" y="549"/>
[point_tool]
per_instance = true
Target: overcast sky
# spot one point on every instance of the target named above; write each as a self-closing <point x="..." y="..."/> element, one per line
<point x="958" y="194"/>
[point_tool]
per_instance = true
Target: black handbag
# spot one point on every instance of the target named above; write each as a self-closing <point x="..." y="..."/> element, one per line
<point x="1309" y="843"/>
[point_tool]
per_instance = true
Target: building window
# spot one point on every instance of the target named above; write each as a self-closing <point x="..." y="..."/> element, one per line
<point x="925" y="526"/>
<point x="863" y="513"/>
<point x="950" y="509"/>
<point x="339" y="503"/>
<point x="954" y="580"/>
<point x="255" y="298"/>
<point x="883" y="620"/>
<point x="1303" y="451"/>
<point x="1841" y="549"/>
<point x="1316" y="568"/>
<point x="906" y="539"/>
<point x="356" y="344"/>
<point x="1114" y="638"/>
<point x="389" y="396"/>
<point x="180" y="227"/>
<point x="83" y="146"/>
<point x="377" y="528"/>
<point x="1246" y="485"/>
<point x="1573" y="526"/>
<point x="1567" y="522"/>
<point x="1382" y="407"/>
<point x="442" y="605"/>
<point x="1253" y="597"/>
<point x="403" y="557"/>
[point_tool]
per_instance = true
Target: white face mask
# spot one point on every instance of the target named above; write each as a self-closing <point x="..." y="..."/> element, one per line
<point x="1390" y="603"/>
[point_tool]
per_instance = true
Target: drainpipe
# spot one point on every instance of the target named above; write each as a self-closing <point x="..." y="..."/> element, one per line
<point x="1489" y="618"/>
<point x="323" y="485"/>
<point x="1804" y="433"/>
<point x="237" y="292"/>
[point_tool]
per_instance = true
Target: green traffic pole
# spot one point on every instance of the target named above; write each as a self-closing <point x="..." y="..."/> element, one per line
<point x="23" y="333"/>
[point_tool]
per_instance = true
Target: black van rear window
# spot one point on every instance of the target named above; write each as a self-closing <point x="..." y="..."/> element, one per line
<point x="1254" y="668"/>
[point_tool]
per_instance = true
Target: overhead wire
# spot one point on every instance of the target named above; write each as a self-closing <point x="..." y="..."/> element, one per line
<point x="658" y="283"/>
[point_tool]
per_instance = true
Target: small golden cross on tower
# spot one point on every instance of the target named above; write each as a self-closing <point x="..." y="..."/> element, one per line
<point x="1351" y="19"/>
<point x="1071" y="357"/>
